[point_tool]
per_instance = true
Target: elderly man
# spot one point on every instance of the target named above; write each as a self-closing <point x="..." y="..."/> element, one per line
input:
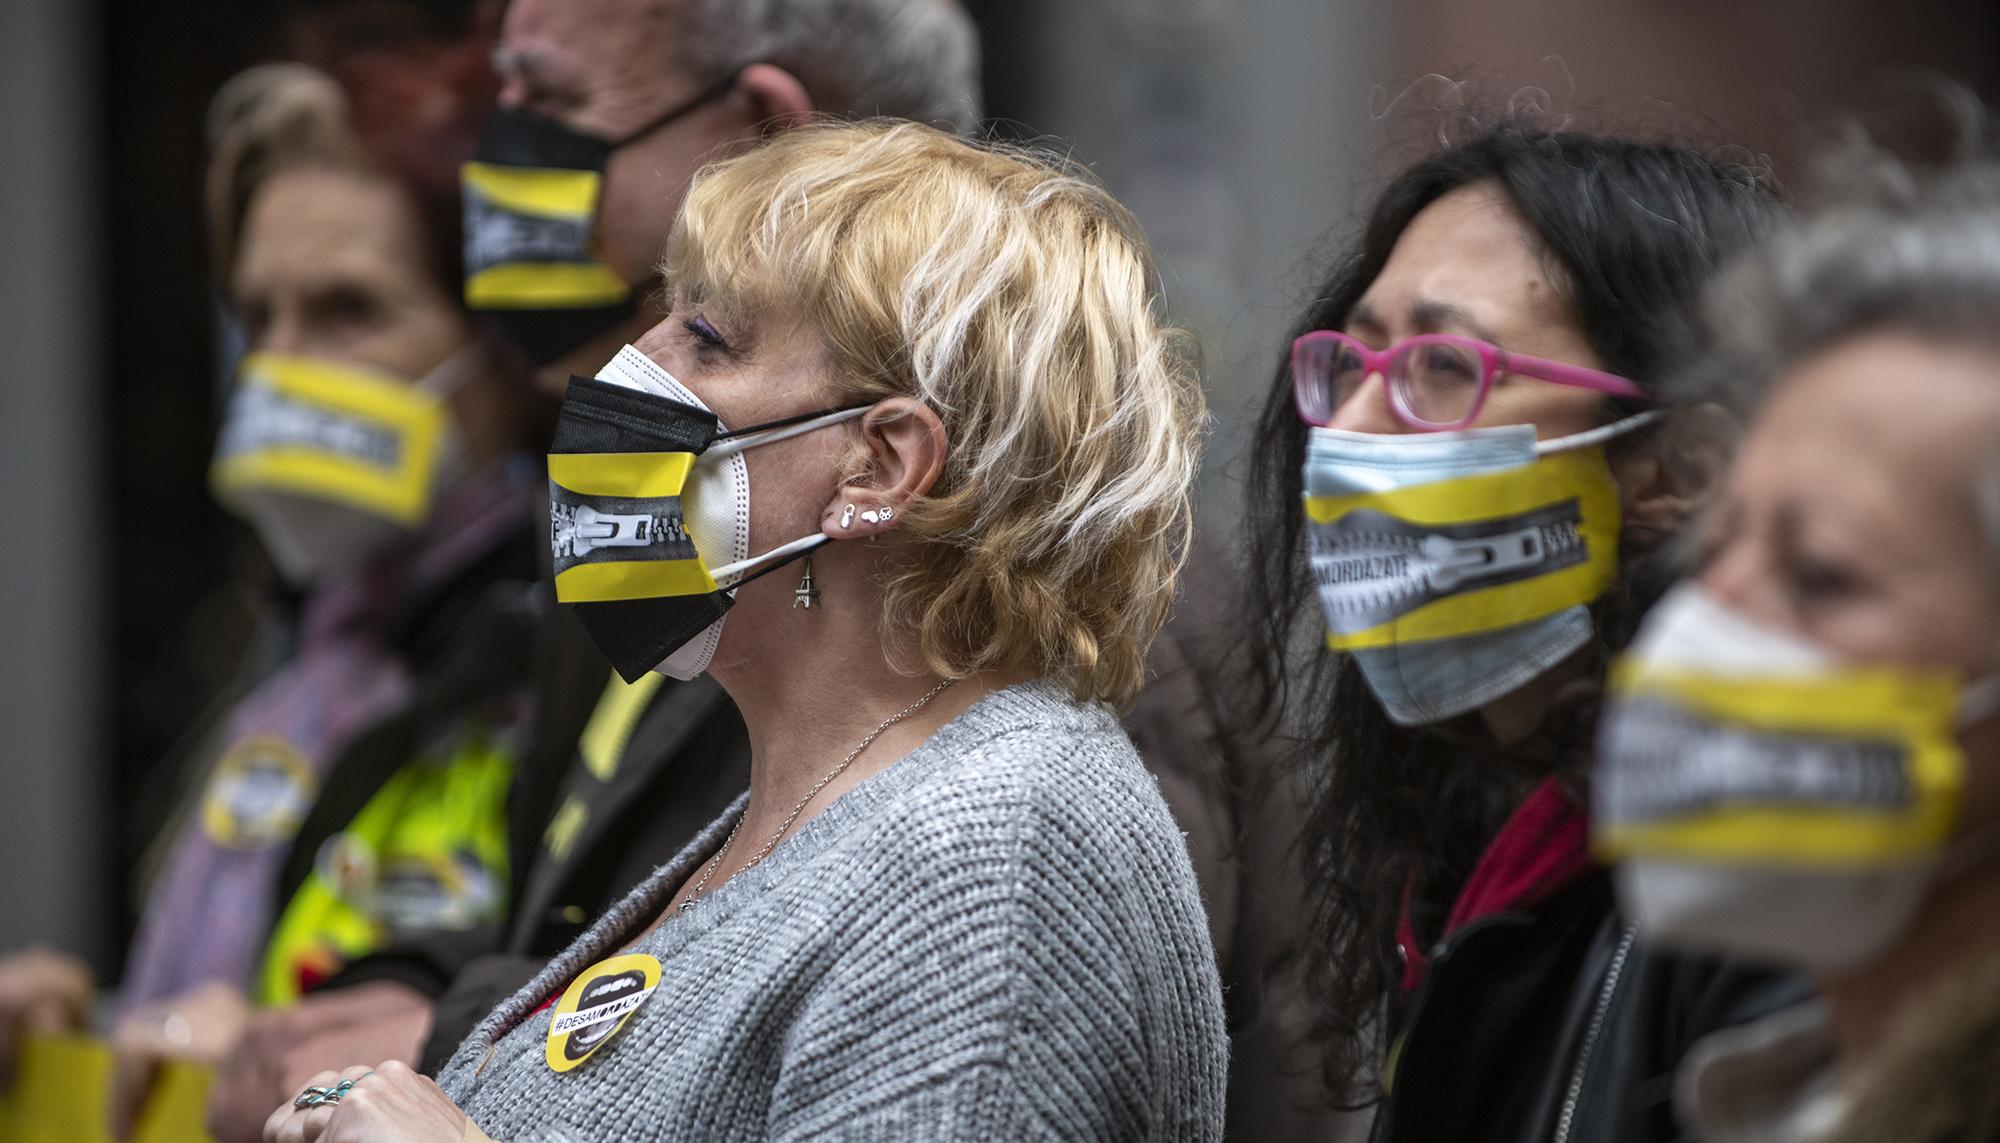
<point x="608" y="107"/>
<point x="606" y="110"/>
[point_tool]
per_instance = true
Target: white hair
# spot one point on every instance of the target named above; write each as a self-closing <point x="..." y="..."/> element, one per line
<point x="901" y="59"/>
<point x="1900" y="250"/>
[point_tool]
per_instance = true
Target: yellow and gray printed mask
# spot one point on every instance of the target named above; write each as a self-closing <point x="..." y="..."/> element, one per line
<point x="330" y="463"/>
<point x="1766" y="797"/>
<point x="1457" y="566"/>
<point x="532" y="196"/>
<point x="531" y="202"/>
<point x="649" y="506"/>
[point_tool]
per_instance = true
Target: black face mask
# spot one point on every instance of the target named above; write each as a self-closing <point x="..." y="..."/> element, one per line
<point x="531" y="198"/>
<point x="624" y="555"/>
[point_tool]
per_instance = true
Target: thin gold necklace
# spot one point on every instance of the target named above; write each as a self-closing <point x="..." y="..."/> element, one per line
<point x="708" y="869"/>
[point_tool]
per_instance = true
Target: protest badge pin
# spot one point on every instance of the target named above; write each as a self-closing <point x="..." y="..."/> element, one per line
<point x="259" y="794"/>
<point x="596" y="1006"/>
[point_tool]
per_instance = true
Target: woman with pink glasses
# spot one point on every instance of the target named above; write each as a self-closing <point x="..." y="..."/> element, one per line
<point x="1468" y="468"/>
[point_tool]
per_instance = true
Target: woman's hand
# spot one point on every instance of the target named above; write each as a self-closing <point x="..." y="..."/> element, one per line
<point x="283" y="1046"/>
<point x="389" y="1104"/>
<point x="41" y="992"/>
<point x="200" y="1025"/>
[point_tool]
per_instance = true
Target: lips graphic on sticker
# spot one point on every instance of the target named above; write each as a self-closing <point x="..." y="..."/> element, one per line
<point x="597" y="1005"/>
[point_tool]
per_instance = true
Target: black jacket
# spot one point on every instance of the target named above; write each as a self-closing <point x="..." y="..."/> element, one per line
<point x="1555" y="1023"/>
<point x="474" y="649"/>
<point x="687" y="758"/>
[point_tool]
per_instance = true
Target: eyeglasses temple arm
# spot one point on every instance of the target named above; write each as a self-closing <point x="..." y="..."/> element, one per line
<point x="1577" y="375"/>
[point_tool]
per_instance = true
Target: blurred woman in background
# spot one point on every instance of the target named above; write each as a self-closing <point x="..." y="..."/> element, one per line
<point x="1465" y="467"/>
<point x="1802" y="762"/>
<point x="354" y="792"/>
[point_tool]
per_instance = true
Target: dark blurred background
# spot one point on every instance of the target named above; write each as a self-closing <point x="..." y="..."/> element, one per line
<point x="1241" y="131"/>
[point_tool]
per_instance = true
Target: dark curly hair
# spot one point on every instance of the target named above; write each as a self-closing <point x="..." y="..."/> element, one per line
<point x="1629" y="231"/>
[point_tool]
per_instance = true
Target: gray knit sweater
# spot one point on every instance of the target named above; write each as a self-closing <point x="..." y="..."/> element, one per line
<point x="999" y="937"/>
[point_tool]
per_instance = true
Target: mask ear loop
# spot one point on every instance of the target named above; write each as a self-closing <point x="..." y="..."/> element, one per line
<point x="1597" y="435"/>
<point x="699" y="99"/>
<point x="734" y="442"/>
<point x="777" y="557"/>
<point x="442" y="384"/>
<point x="447" y="377"/>
<point x="730" y="443"/>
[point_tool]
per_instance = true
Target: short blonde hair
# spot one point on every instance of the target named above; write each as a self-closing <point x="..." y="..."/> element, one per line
<point x="1016" y="298"/>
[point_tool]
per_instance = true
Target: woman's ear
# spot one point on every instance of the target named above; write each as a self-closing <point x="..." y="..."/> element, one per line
<point x="778" y="99"/>
<point x="1676" y="472"/>
<point x="906" y="445"/>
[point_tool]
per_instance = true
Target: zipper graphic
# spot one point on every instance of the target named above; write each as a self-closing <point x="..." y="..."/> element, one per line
<point x="261" y="420"/>
<point x="1671" y="762"/>
<point x="581" y="529"/>
<point x="497" y="236"/>
<point x="1372" y="568"/>
<point x="594" y="529"/>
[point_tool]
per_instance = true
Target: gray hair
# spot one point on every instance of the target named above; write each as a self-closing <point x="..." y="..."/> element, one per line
<point x="903" y="59"/>
<point x="1897" y="252"/>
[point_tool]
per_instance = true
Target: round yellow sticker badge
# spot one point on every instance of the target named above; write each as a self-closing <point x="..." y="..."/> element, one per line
<point x="259" y="794"/>
<point x="596" y="1005"/>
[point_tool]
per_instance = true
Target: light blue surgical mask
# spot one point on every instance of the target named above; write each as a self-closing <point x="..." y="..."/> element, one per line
<point x="1456" y="567"/>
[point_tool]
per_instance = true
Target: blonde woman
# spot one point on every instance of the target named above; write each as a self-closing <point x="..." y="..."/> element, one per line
<point x="952" y="903"/>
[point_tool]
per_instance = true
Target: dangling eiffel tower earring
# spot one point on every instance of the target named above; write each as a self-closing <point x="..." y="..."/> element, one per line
<point x="806" y="595"/>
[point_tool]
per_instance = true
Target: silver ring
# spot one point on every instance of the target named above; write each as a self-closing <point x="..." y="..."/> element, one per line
<point x="313" y="1097"/>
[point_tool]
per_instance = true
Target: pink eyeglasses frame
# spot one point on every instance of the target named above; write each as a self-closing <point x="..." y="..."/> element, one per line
<point x="1493" y="361"/>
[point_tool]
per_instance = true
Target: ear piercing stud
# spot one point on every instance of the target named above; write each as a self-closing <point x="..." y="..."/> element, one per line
<point x="881" y="515"/>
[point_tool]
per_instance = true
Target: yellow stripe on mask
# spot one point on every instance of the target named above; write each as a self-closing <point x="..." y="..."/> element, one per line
<point x="415" y="418"/>
<point x="1914" y="710"/>
<point x="539" y="285"/>
<point x="321" y="476"/>
<point x="1583" y="476"/>
<point x="617" y="580"/>
<point x="375" y="396"/>
<point x="643" y="475"/>
<point x="544" y="191"/>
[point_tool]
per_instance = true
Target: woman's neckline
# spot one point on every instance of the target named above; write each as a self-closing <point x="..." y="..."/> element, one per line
<point x="821" y="830"/>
